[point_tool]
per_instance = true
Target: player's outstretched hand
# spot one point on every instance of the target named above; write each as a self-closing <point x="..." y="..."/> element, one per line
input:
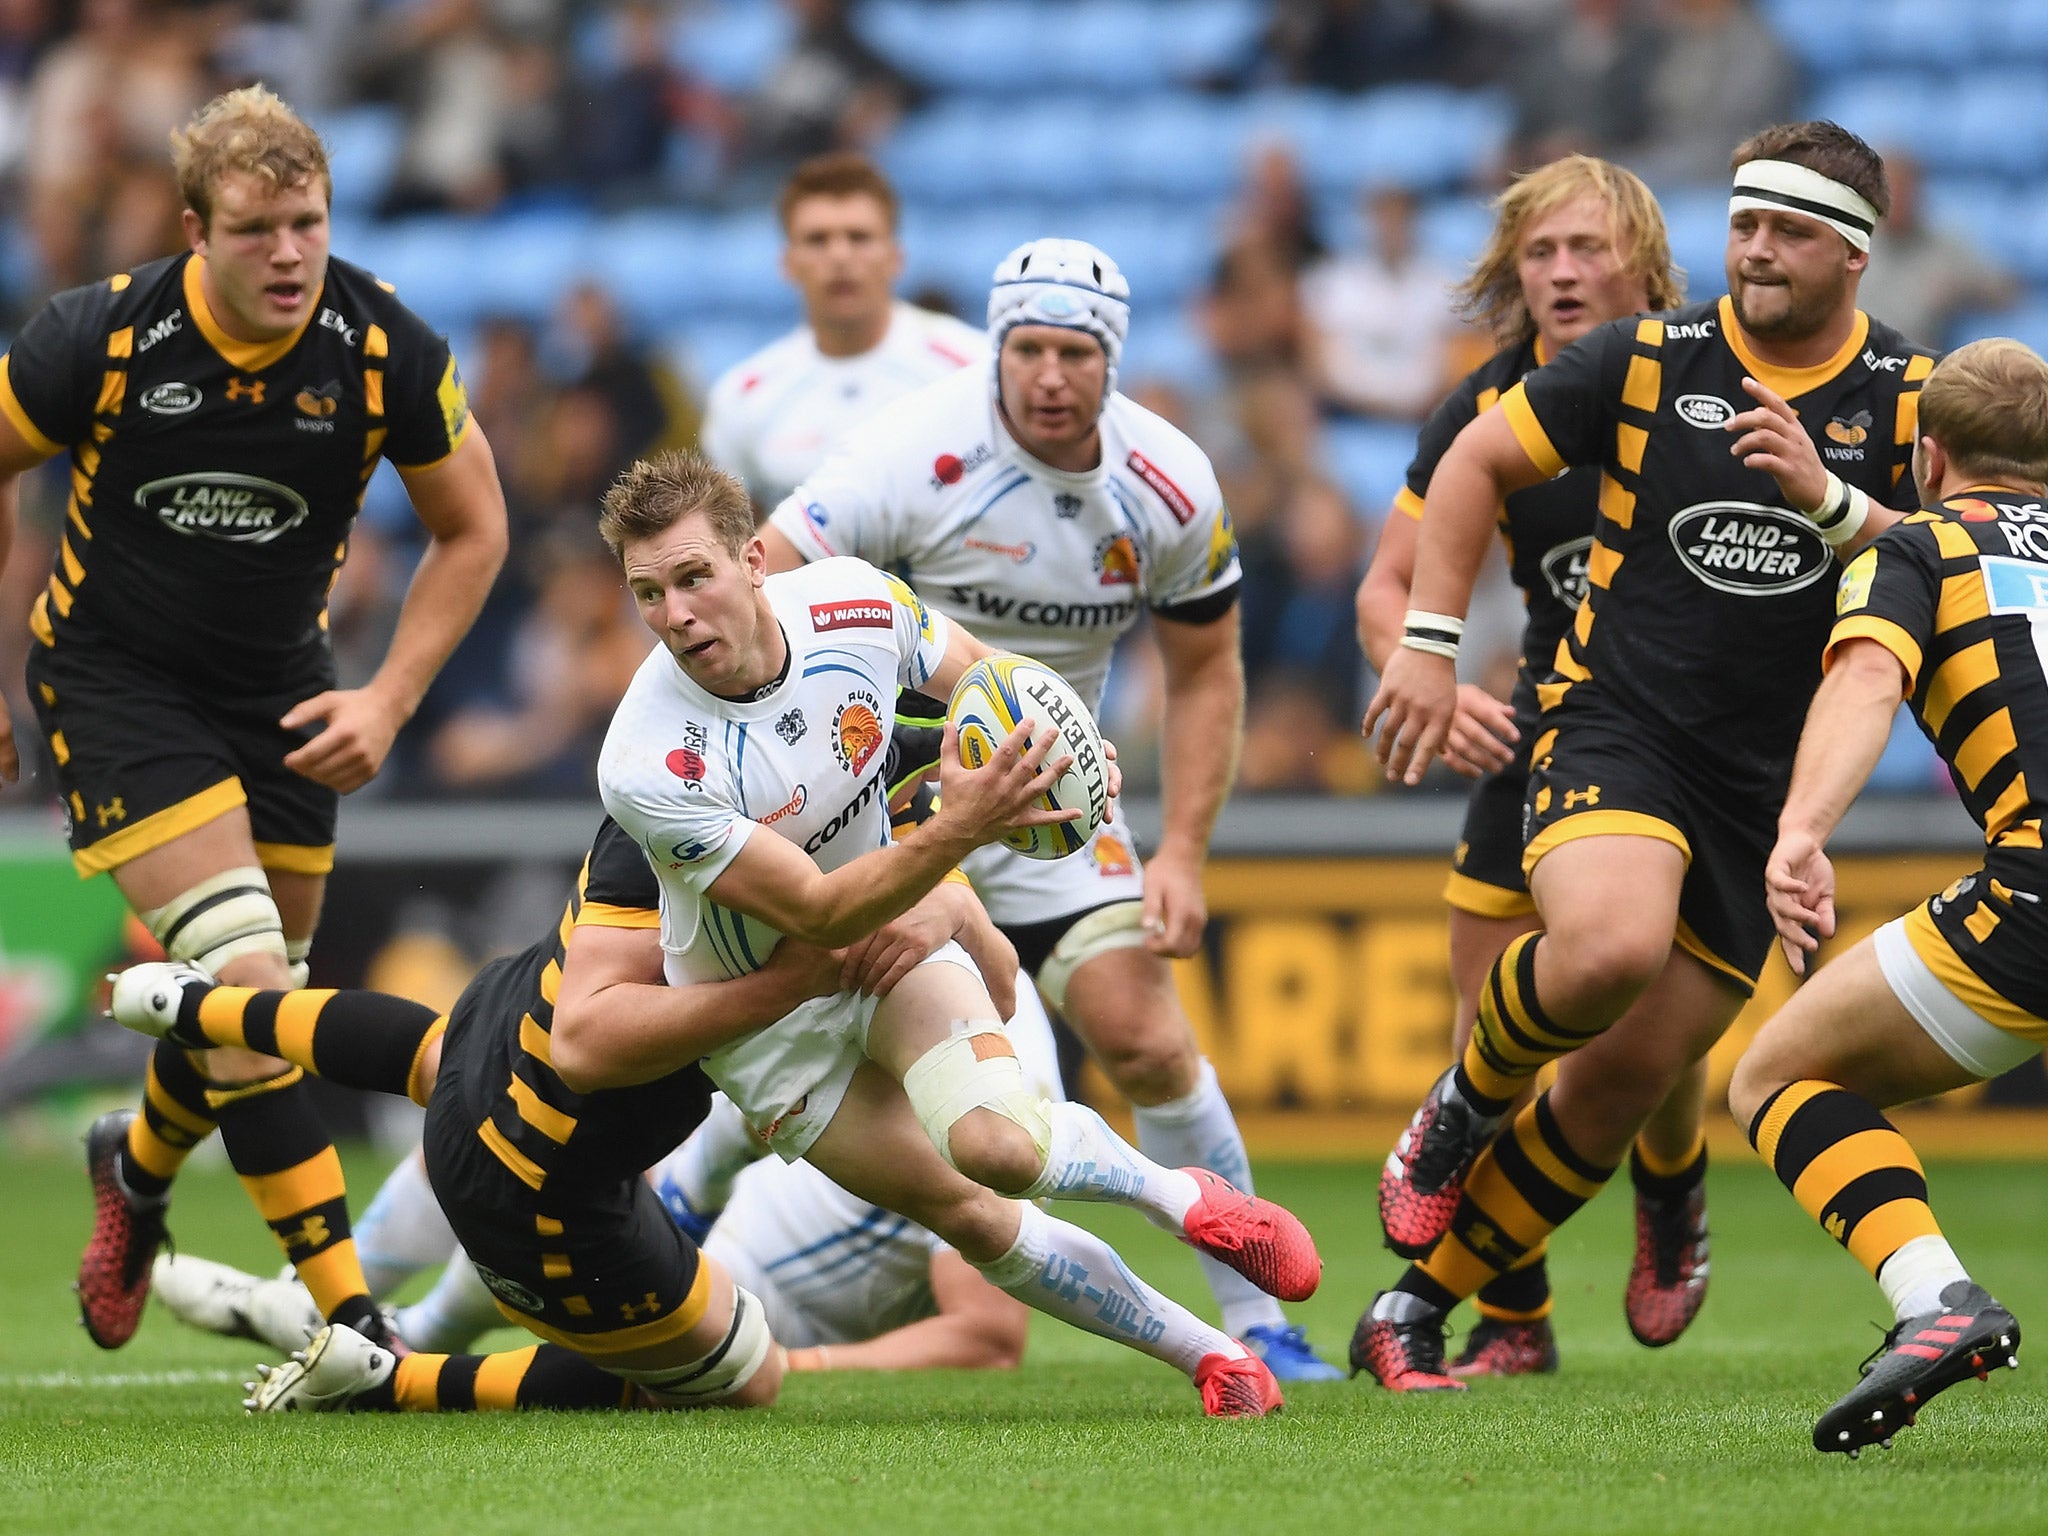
<point x="10" y="755"/>
<point x="1413" y="710"/>
<point x="1799" y="888"/>
<point x="1175" y="909"/>
<point x="357" y="729"/>
<point x="1001" y="794"/>
<point x="1483" y="734"/>
<point x="1771" y="437"/>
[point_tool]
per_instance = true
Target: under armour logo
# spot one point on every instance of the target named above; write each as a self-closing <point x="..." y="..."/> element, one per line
<point x="632" y="1310"/>
<point x="312" y="1234"/>
<point x="250" y="390"/>
<point x="111" y="812"/>
<point x="1573" y="798"/>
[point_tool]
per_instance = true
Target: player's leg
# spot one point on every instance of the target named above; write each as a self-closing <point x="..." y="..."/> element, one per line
<point x="1872" y="1028"/>
<point x="695" y="1181"/>
<point x="875" y="1148"/>
<point x="937" y="1034"/>
<point x="402" y="1231"/>
<point x="1555" y="1156"/>
<point x="454" y="1314"/>
<point x="1668" y="1169"/>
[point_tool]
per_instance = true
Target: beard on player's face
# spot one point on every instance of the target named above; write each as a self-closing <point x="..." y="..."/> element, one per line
<point x="1780" y="307"/>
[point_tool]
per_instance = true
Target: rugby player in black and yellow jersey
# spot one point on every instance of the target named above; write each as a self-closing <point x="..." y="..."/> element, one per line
<point x="1948" y="611"/>
<point x="1673" y="705"/>
<point x="223" y="410"/>
<point x="1575" y="243"/>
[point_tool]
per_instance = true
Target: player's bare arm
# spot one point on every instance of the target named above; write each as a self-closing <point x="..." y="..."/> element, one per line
<point x="1417" y="698"/>
<point x="618" y="1023"/>
<point x="1846" y="729"/>
<point x="17" y="455"/>
<point x="950" y="910"/>
<point x="1771" y="437"/>
<point x="1483" y="732"/>
<point x="776" y="882"/>
<point x="463" y="507"/>
<point x="978" y="1328"/>
<point x="1204" y="719"/>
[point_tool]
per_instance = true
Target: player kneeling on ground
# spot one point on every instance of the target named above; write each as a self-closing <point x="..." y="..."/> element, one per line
<point x="1946" y="610"/>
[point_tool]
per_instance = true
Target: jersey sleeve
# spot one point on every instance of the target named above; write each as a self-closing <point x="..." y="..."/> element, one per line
<point x="690" y="833"/>
<point x="619" y="888"/>
<point x="1433" y="442"/>
<point x="921" y="635"/>
<point x="1889" y="594"/>
<point x="1905" y="495"/>
<point x="1565" y="412"/>
<point x="842" y="508"/>
<point x="50" y="377"/>
<point x="1197" y="569"/>
<point x="426" y="406"/>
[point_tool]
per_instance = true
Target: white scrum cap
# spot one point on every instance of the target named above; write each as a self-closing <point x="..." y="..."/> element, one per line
<point x="1068" y="283"/>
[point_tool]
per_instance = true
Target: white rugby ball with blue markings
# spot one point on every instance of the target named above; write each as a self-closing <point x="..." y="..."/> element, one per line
<point x="993" y="697"/>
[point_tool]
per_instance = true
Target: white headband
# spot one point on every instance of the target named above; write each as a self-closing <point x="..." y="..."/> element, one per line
<point x="1780" y="184"/>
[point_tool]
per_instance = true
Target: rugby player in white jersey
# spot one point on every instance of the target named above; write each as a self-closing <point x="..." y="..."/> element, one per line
<point x="746" y="760"/>
<point x="1051" y="513"/>
<point x="771" y="419"/>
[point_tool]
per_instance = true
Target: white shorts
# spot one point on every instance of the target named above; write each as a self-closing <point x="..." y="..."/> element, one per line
<point x="1019" y="890"/>
<point x="788" y="1080"/>
<point x="1972" y="1042"/>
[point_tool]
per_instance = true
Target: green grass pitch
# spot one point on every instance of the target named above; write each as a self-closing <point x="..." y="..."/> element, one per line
<point x="1710" y="1435"/>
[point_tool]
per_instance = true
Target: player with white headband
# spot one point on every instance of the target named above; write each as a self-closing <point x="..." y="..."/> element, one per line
<point x="1050" y="513"/>
<point x="1745" y="443"/>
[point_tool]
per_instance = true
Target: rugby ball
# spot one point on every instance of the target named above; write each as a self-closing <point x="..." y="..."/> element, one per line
<point x="994" y="696"/>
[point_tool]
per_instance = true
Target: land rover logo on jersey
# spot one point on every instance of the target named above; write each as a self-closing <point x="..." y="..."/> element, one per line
<point x="1708" y="411"/>
<point x="857" y="732"/>
<point x="173" y="399"/>
<point x="1749" y="549"/>
<point x="239" y="509"/>
<point x="1564" y="569"/>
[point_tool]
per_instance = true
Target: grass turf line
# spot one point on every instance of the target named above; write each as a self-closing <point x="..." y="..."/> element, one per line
<point x="1709" y="1434"/>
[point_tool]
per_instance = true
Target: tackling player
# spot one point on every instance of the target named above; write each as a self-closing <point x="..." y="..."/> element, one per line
<point x="1672" y="710"/>
<point x="1575" y="244"/>
<point x="223" y="410"/>
<point x="770" y="419"/>
<point x="1947" y="611"/>
<point x="1049" y="512"/>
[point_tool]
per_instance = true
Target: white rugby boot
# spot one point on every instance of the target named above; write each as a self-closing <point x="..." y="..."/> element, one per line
<point x="327" y="1376"/>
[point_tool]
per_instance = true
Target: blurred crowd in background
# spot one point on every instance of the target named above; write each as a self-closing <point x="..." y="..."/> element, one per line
<point x="1308" y="331"/>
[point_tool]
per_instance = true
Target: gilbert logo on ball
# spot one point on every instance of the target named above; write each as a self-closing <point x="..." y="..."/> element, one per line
<point x="993" y="697"/>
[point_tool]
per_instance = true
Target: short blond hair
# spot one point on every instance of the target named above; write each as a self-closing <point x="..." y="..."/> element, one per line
<point x="251" y="131"/>
<point x="1491" y="296"/>
<point x="1986" y="403"/>
<point x="654" y="494"/>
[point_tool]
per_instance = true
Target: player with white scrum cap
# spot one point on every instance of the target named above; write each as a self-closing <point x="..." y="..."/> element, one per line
<point x="1051" y="513"/>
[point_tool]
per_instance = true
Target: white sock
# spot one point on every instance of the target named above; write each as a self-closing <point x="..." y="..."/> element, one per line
<point x="1200" y="1131"/>
<point x="1089" y="1161"/>
<point x="1399" y="1307"/>
<point x="705" y="1166"/>
<point x="454" y="1314"/>
<point x="1076" y="1277"/>
<point x="403" y="1231"/>
<point x="1914" y="1277"/>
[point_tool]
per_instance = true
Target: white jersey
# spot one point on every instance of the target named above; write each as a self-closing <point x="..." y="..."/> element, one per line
<point x="771" y="419"/>
<point x="692" y="777"/>
<point x="1033" y="559"/>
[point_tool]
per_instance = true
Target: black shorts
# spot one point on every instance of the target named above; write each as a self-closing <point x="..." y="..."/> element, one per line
<point x="1486" y="872"/>
<point x="1598" y="770"/>
<point x="595" y="1266"/>
<point x="1986" y="938"/>
<point x="144" y="757"/>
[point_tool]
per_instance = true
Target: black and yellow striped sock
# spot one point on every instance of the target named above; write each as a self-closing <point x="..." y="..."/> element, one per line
<point x="1513" y="1037"/>
<point x="538" y="1376"/>
<point x="286" y="1162"/>
<point x="1522" y="1295"/>
<point x="1847" y="1166"/>
<point x="369" y="1040"/>
<point x="1657" y="1179"/>
<point x="175" y="1118"/>
<point x="1522" y="1188"/>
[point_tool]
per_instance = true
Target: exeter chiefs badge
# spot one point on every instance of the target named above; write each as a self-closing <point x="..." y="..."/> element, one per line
<point x="857" y="732"/>
<point x="1116" y="561"/>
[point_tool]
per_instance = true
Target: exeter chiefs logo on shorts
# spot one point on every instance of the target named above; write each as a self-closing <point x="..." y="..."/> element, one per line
<point x="857" y="732"/>
<point x="1564" y="570"/>
<point x="1749" y="549"/>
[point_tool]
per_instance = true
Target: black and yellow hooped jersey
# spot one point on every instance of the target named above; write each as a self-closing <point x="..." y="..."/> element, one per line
<point x="531" y="1122"/>
<point x="1960" y="596"/>
<point x="1547" y="529"/>
<point x="213" y="481"/>
<point x="1708" y="598"/>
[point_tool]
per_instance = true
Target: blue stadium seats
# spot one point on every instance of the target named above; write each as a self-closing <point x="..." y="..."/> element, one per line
<point x="1170" y="146"/>
<point x="1828" y="35"/>
<point x="1697" y="221"/>
<point x="362" y="152"/>
<point x="1370" y="461"/>
<point x="1014" y="47"/>
<point x="1889" y="109"/>
<point x="705" y="349"/>
<point x="1165" y="345"/>
<point x="729" y="45"/>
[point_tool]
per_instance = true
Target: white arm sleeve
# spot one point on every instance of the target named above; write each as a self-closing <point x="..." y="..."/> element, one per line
<point x="842" y="508"/>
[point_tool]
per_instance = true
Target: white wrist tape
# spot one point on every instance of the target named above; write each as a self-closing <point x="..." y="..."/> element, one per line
<point x="1841" y="513"/>
<point x="1436" y="634"/>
